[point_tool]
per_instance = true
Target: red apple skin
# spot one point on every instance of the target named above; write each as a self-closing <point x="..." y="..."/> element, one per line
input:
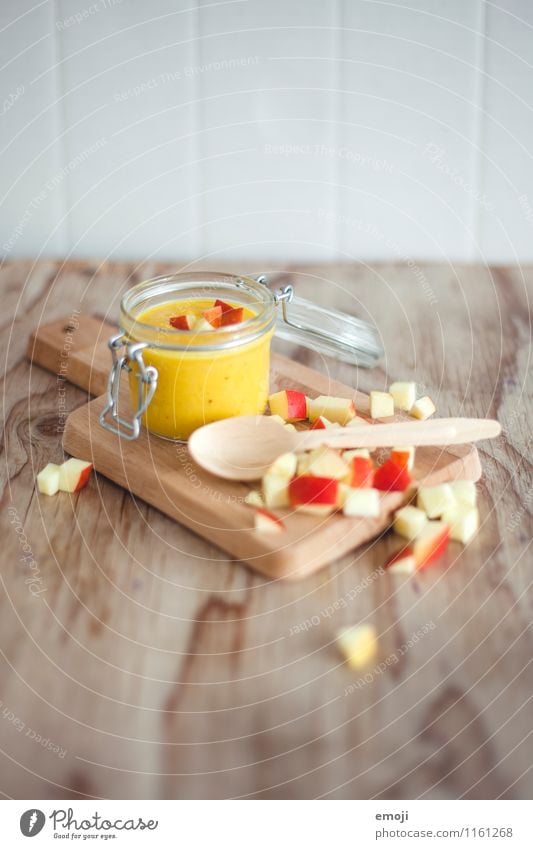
<point x="223" y="306"/>
<point x="296" y="406"/>
<point x="318" y="425"/>
<point x="84" y="478"/>
<point x="271" y="517"/>
<point x="390" y="477"/>
<point x="232" y="316"/>
<point x="308" y="489"/>
<point x="407" y="551"/>
<point x="180" y="322"/>
<point x="438" y="548"/>
<point x="362" y="473"/>
<point x="213" y="316"/>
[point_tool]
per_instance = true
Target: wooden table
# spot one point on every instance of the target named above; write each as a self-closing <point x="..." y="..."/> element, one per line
<point x="138" y="661"/>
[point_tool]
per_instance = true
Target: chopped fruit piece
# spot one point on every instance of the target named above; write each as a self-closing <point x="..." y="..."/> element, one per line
<point x="431" y="543"/>
<point x="284" y="466"/>
<point x="348" y="456"/>
<point x="436" y="500"/>
<point x="201" y="325"/>
<point x="465" y="491"/>
<point x="404" y="456"/>
<point x="275" y="491"/>
<point x="391" y="478"/>
<point x="404" y="395"/>
<point x="409" y="521"/>
<point x="342" y="494"/>
<point x="74" y="474"/>
<point x="357" y="421"/>
<point x="361" y="473"/>
<point x="323" y="462"/>
<point x="232" y="316"/>
<point x="362" y="502"/>
<point x="463" y="521"/>
<point x="340" y="410"/>
<point x="308" y="489"/>
<point x="48" y="479"/>
<point x="213" y="316"/>
<point x="268" y="523"/>
<point x="223" y="306"/>
<point x="322" y="423"/>
<point x="277" y="418"/>
<point x="253" y="498"/>
<point x="289" y="404"/>
<point x="381" y="405"/>
<point x="358" y="645"/>
<point x="183" y="322"/>
<point x="423" y="408"/>
<point x="289" y="427"/>
<point x="402" y="563"/>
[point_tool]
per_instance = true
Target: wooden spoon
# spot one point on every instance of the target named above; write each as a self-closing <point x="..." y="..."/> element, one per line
<point x="243" y="448"/>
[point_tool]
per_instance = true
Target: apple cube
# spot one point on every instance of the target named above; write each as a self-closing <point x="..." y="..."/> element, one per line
<point x="404" y="394"/>
<point x="348" y="456"/>
<point x="465" y="491"/>
<point x="323" y="462"/>
<point x="357" y="421"/>
<point x="404" y="456"/>
<point x="362" y="502"/>
<point x="254" y="499"/>
<point x="361" y="473"/>
<point x="402" y="563"/>
<point x="391" y="478"/>
<point x="381" y="405"/>
<point x="230" y="315"/>
<point x="214" y="316"/>
<point x="358" y="645"/>
<point x="430" y="543"/>
<point x="275" y="490"/>
<point x="284" y="466"/>
<point x="322" y="423"/>
<point x="309" y="489"/>
<point x="289" y="404"/>
<point x="423" y="408"/>
<point x="409" y="521"/>
<point x="436" y="500"/>
<point x="182" y="322"/>
<point x="463" y="521"/>
<point x="201" y="325"/>
<point x="74" y="474"/>
<point x="340" y="410"/>
<point x="48" y="479"/>
<point x="267" y="523"/>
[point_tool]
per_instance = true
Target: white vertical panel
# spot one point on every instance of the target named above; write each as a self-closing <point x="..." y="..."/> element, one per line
<point x="30" y="207"/>
<point x="267" y="114"/>
<point x="128" y="106"/>
<point x="507" y="163"/>
<point x="408" y="76"/>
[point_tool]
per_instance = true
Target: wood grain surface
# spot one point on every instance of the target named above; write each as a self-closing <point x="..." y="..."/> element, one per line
<point x="139" y="661"/>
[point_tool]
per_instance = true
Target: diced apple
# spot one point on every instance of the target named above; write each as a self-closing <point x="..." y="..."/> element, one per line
<point x="362" y="502"/>
<point x="404" y="456"/>
<point x="423" y="408"/>
<point x="358" y="645"/>
<point x="436" y="500"/>
<point x="201" y="325"/>
<point x="230" y="315"/>
<point x="361" y="474"/>
<point x="463" y="521"/>
<point x="48" y="479"/>
<point x="289" y="427"/>
<point x="289" y="404"/>
<point x="254" y="499"/>
<point x="430" y="543"/>
<point x="74" y="474"/>
<point x="340" y="410"/>
<point x="275" y="491"/>
<point x="357" y="421"/>
<point x="391" y="478"/>
<point x="284" y="466"/>
<point x="183" y="322"/>
<point x="214" y="316"/>
<point x="409" y="521"/>
<point x="322" y="423"/>
<point x="402" y="563"/>
<point x="348" y="456"/>
<point x="267" y="523"/>
<point x="323" y="462"/>
<point x="308" y="489"/>
<point x="342" y="494"/>
<point x="465" y="491"/>
<point x="381" y="405"/>
<point x="404" y="394"/>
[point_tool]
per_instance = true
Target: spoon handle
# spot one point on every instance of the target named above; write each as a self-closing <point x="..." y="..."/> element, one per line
<point x="434" y="432"/>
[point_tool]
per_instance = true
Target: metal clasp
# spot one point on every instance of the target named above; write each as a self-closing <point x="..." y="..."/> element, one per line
<point x="146" y="377"/>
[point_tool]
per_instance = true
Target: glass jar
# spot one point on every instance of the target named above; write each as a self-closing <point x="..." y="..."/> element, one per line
<point x="180" y="380"/>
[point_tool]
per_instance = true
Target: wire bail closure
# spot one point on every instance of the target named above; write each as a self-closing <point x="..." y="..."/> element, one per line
<point x="146" y="377"/>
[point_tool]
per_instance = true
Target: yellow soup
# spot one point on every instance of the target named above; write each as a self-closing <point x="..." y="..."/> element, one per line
<point x="196" y="387"/>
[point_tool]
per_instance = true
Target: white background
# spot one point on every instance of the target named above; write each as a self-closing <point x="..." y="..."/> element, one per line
<point x="276" y="129"/>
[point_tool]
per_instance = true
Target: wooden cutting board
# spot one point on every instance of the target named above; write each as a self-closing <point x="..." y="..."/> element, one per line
<point x="162" y="473"/>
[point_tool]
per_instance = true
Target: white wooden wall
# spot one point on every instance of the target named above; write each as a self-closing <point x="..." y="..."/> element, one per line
<point x="283" y="129"/>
